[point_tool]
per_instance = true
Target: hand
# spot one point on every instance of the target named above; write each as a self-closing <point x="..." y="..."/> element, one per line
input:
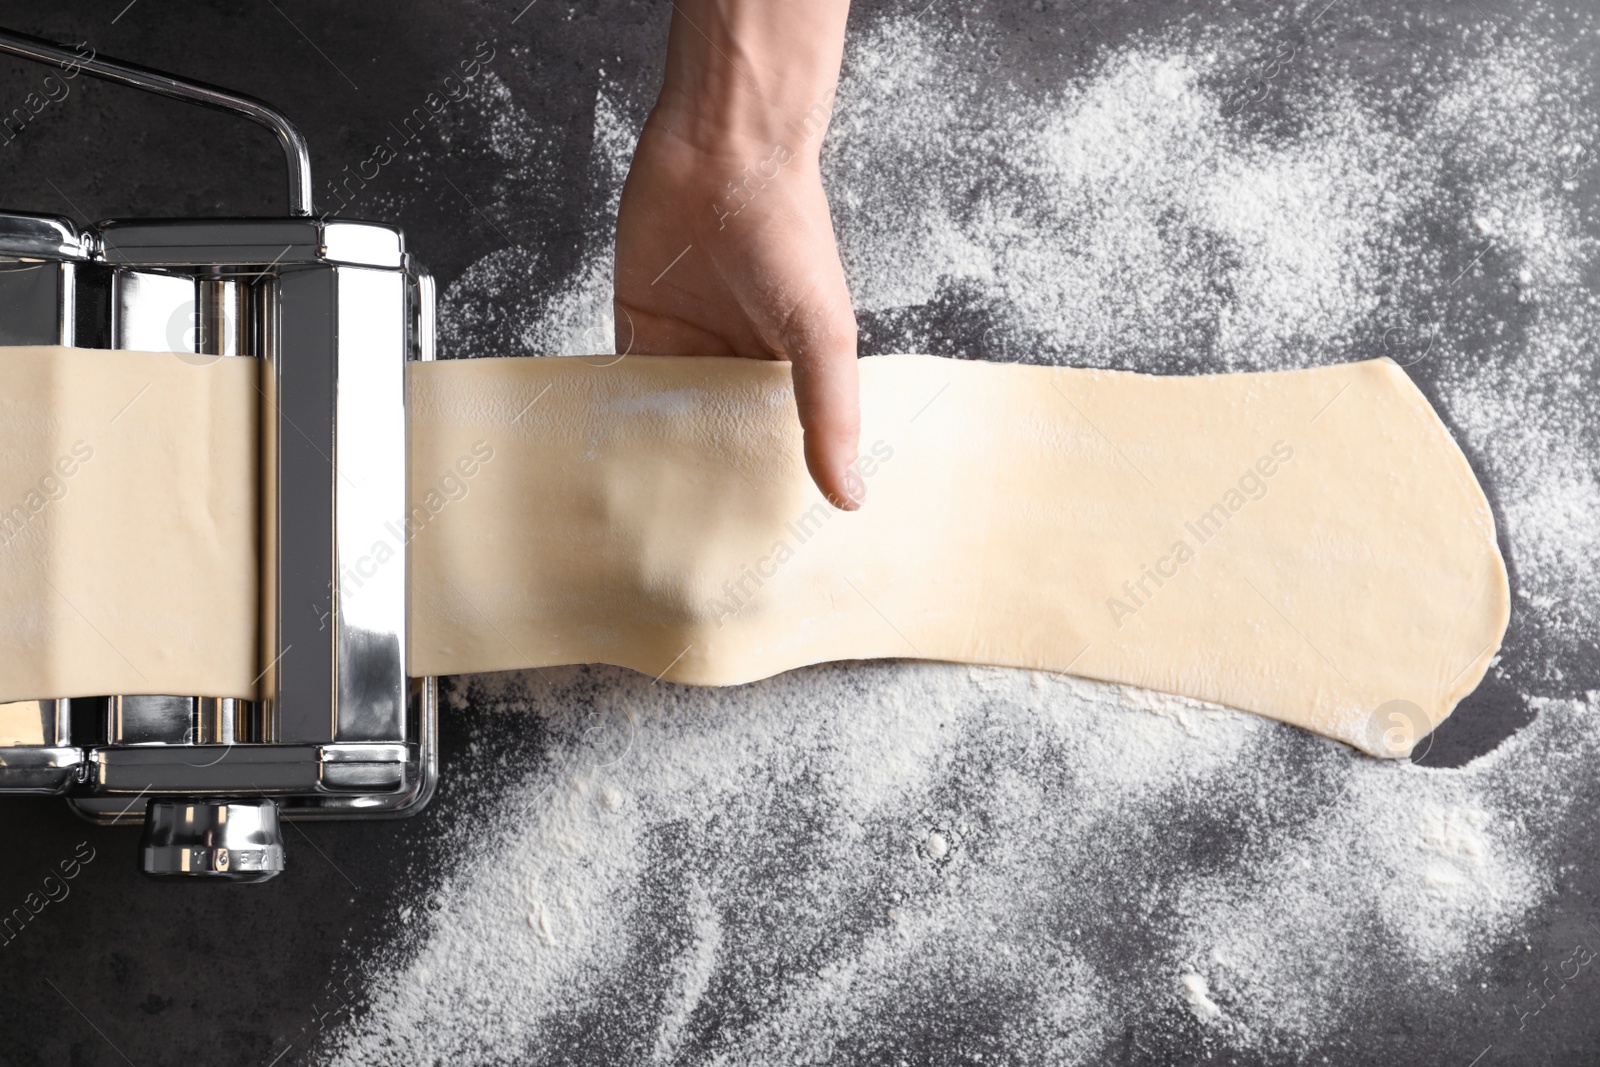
<point x="725" y="243"/>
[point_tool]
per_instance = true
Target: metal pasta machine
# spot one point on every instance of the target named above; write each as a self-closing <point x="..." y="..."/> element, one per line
<point x="334" y="308"/>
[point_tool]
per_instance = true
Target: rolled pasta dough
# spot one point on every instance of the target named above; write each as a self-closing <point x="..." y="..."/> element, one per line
<point x="128" y="524"/>
<point x="1309" y="545"/>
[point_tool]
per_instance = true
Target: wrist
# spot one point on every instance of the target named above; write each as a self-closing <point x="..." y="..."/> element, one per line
<point x="752" y="75"/>
<point x="735" y="132"/>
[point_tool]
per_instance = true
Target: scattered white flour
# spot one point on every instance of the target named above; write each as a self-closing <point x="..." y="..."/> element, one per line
<point x="861" y="862"/>
<point x="769" y="866"/>
<point x="1198" y="994"/>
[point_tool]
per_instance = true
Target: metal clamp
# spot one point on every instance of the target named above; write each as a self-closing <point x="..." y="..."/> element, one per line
<point x="334" y="309"/>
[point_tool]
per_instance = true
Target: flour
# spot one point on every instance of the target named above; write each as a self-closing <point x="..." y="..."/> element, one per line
<point x="1526" y="410"/>
<point x="770" y="863"/>
<point x="1198" y="994"/>
<point x="889" y="862"/>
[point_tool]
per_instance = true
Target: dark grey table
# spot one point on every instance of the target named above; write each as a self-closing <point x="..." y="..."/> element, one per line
<point x="125" y="970"/>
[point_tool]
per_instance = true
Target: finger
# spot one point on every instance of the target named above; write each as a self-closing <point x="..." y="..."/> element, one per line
<point x="822" y="349"/>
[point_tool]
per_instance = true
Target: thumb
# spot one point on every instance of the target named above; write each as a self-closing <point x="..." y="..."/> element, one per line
<point x="822" y="349"/>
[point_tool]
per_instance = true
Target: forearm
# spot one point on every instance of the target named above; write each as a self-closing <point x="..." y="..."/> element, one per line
<point x="725" y="245"/>
<point x="752" y="72"/>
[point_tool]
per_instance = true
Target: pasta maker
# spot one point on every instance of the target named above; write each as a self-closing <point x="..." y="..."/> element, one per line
<point x="334" y="309"/>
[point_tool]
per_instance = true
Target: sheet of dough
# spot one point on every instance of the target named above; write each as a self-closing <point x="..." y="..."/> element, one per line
<point x="655" y="513"/>
<point x="128" y="520"/>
